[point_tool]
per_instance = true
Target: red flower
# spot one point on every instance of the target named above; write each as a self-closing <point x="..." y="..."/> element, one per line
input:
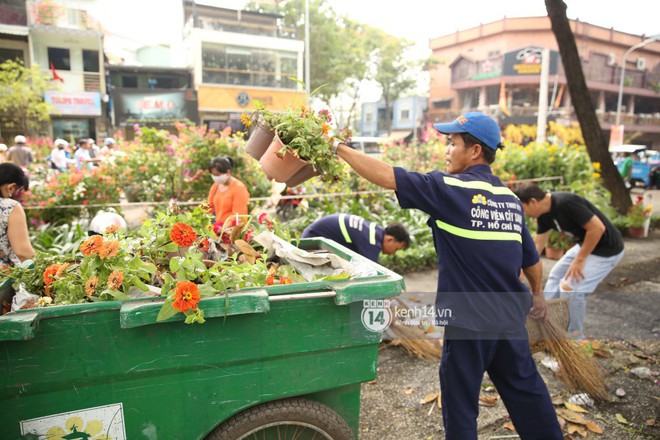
<point x="248" y="235"/>
<point x="50" y="274"/>
<point x="270" y="280"/>
<point x="91" y="246"/>
<point x="186" y="296"/>
<point x="217" y="228"/>
<point x="204" y="245"/>
<point x="262" y="218"/>
<point x="108" y="249"/>
<point x="182" y="234"/>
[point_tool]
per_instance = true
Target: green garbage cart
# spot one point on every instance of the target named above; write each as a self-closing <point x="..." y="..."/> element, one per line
<point x="279" y="362"/>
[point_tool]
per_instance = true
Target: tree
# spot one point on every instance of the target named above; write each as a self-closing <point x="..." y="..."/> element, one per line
<point x="584" y="109"/>
<point x="22" y="104"/>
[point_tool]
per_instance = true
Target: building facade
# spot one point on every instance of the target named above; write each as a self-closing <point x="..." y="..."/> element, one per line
<point x="405" y="115"/>
<point x="151" y="96"/>
<point x="237" y="57"/>
<point x="481" y="65"/>
<point x="66" y="42"/>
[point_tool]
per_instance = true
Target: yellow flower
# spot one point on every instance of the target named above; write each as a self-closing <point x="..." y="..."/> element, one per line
<point x="596" y="175"/>
<point x="596" y="166"/>
<point x="246" y="119"/>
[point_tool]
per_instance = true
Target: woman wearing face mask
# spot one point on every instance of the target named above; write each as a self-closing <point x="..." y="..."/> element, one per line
<point x="15" y="244"/>
<point x="228" y="195"/>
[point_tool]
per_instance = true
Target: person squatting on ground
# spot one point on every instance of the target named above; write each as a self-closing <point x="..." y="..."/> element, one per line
<point x="228" y="195"/>
<point x="359" y="235"/>
<point x="598" y="250"/>
<point x="482" y="243"/>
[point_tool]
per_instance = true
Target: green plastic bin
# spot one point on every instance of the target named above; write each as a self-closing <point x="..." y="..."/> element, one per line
<point x="267" y="363"/>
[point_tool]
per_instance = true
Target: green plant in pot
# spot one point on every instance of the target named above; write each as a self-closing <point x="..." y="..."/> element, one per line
<point x="302" y="139"/>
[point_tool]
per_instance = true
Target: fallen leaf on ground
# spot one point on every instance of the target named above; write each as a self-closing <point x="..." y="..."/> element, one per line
<point x="562" y="423"/>
<point x="575" y="408"/>
<point x="408" y="391"/>
<point x="621" y="419"/>
<point x="487" y="400"/>
<point x="650" y="422"/>
<point x="509" y="426"/>
<point x="557" y="401"/>
<point x="372" y="382"/>
<point x="573" y="428"/>
<point x="571" y="416"/>
<point x="489" y="389"/>
<point x="430" y="397"/>
<point x="594" y="428"/>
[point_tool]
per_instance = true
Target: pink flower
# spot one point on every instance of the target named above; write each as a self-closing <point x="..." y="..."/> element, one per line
<point x="325" y="113"/>
<point x="262" y="218"/>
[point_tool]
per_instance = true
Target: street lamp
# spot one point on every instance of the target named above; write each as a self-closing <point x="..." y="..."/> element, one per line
<point x="623" y="72"/>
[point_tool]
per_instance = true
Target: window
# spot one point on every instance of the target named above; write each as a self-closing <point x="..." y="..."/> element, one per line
<point x="90" y="60"/>
<point x="59" y="58"/>
<point x="129" y="81"/>
<point x="11" y="54"/>
<point x="163" y="82"/>
<point x="405" y="115"/>
<point x="369" y="118"/>
<point x="248" y="66"/>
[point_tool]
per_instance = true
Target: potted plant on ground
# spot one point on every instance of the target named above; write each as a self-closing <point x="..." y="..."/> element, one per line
<point x="558" y="244"/>
<point x="636" y="218"/>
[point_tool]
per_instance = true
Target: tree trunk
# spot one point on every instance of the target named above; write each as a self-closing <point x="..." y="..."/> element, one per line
<point x="577" y="86"/>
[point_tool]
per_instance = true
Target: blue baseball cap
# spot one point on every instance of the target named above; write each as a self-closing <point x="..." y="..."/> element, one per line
<point x="481" y="126"/>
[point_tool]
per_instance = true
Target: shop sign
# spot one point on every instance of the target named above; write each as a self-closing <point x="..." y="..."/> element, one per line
<point x="154" y="107"/>
<point x="527" y="61"/>
<point x="74" y="103"/>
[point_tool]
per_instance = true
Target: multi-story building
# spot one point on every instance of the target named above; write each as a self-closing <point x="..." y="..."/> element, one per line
<point x="66" y="43"/>
<point x="237" y="57"/>
<point x="151" y="96"/>
<point x="405" y="116"/>
<point x="475" y="64"/>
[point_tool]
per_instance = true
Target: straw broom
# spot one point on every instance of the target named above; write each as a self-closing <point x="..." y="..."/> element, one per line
<point x="577" y="371"/>
<point x="413" y="339"/>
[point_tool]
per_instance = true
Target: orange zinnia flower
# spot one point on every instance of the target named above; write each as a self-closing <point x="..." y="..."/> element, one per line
<point x="186" y="296"/>
<point x="90" y="285"/>
<point x="115" y="279"/>
<point x="285" y="280"/>
<point x="111" y="229"/>
<point x="270" y="280"/>
<point x="204" y="245"/>
<point x="91" y="246"/>
<point x="182" y="234"/>
<point x="325" y="128"/>
<point x="108" y="249"/>
<point x="50" y="274"/>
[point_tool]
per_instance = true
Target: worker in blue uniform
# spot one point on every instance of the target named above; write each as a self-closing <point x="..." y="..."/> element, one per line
<point x="359" y="235"/>
<point x="482" y="243"/>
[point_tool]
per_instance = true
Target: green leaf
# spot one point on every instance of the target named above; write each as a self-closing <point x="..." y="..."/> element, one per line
<point x="167" y="311"/>
<point x="206" y="290"/>
<point x="341" y="276"/>
<point x="621" y="419"/>
<point x="169" y="247"/>
<point x="175" y="264"/>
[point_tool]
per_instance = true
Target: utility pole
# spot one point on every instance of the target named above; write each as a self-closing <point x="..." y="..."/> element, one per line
<point x="542" y="117"/>
<point x="307" y="73"/>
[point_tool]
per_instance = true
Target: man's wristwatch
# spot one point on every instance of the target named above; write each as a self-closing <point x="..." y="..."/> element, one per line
<point x="335" y="145"/>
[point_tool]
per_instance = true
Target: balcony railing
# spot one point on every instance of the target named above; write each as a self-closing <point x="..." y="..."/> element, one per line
<point x="242" y="27"/>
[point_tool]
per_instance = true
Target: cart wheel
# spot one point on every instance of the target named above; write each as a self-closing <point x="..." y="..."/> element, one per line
<point x="287" y="419"/>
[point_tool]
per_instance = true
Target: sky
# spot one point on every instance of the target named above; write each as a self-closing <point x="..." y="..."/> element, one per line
<point x="416" y="20"/>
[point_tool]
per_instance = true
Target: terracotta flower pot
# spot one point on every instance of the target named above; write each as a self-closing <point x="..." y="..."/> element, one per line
<point x="636" y="231"/>
<point x="280" y="169"/>
<point x="553" y="254"/>
<point x="259" y="141"/>
<point x="305" y="173"/>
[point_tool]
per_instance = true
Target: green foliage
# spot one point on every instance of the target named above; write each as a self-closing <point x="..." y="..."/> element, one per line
<point x="22" y="90"/>
<point x="559" y="240"/>
<point x="58" y="239"/>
